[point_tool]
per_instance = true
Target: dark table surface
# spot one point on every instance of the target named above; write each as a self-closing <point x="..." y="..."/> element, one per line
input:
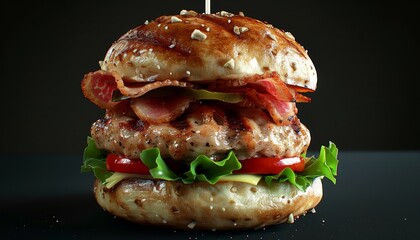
<point x="376" y="197"/>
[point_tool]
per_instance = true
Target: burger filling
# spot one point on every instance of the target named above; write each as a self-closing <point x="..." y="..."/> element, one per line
<point x="215" y="131"/>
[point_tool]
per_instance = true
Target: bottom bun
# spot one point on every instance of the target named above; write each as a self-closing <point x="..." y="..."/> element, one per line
<point x="222" y="206"/>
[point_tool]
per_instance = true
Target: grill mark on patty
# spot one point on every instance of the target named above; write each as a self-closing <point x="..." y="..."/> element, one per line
<point x="235" y="121"/>
<point x="180" y="124"/>
<point x="134" y="124"/>
<point x="248" y="132"/>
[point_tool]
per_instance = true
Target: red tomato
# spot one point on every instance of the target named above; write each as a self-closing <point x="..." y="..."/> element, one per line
<point x="122" y="164"/>
<point x="271" y="165"/>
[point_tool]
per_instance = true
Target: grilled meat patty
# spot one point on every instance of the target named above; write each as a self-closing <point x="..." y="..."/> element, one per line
<point x="210" y="129"/>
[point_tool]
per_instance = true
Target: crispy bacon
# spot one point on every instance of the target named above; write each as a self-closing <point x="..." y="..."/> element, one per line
<point x="296" y="91"/>
<point x="282" y="113"/>
<point x="158" y="110"/>
<point x="271" y="94"/>
<point x="98" y="87"/>
<point x="300" y="89"/>
<point x="134" y="90"/>
<point x="302" y="98"/>
<point x="274" y="87"/>
<point x="265" y="91"/>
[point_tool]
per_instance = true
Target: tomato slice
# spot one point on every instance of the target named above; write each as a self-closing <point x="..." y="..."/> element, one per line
<point x="117" y="163"/>
<point x="270" y="165"/>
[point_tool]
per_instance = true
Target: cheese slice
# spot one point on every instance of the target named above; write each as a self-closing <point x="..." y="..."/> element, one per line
<point x="246" y="178"/>
<point x="116" y="177"/>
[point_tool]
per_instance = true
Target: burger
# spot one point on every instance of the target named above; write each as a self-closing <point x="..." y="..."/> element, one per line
<point x="201" y="129"/>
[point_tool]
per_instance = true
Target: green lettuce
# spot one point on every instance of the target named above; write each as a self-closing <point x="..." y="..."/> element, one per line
<point x="324" y="166"/>
<point x="94" y="160"/>
<point x="203" y="169"/>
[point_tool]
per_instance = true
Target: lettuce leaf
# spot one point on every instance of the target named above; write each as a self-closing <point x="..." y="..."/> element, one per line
<point x="205" y="170"/>
<point x="324" y="166"/>
<point x="201" y="169"/>
<point x="95" y="160"/>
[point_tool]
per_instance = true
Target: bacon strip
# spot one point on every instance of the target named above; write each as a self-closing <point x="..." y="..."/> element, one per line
<point x="296" y="91"/>
<point x="302" y="98"/>
<point x="282" y="113"/>
<point x="135" y="90"/>
<point x="271" y="94"/>
<point x="158" y="110"/>
<point x="274" y="87"/>
<point x="98" y="88"/>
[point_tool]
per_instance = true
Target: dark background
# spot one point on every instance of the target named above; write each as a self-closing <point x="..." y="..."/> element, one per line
<point x="366" y="56"/>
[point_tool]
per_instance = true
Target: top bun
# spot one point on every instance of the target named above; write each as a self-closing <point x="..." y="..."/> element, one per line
<point x="208" y="47"/>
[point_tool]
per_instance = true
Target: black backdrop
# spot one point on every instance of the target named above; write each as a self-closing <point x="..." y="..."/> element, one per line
<point x="366" y="56"/>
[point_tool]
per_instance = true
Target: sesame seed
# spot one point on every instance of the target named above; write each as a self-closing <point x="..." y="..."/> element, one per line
<point x="164" y="221"/>
<point x="175" y="19"/>
<point x="192" y="224"/>
<point x="269" y="34"/>
<point x="172" y="45"/>
<point x="290" y="218"/>
<point x="223" y="209"/>
<point x="188" y="13"/>
<point x="146" y="22"/>
<point x="188" y="72"/>
<point x="229" y="20"/>
<point x="233" y="189"/>
<point x="158" y="66"/>
<point x="202" y="25"/>
<point x="211" y="199"/>
<point x="236" y="30"/>
<point x="230" y="64"/>
<point x="211" y="207"/>
<point x="288" y="34"/>
<point x="150" y="49"/>
<point x="166" y="27"/>
<point x="159" y="25"/>
<point x="198" y="35"/>
<point x="239" y="30"/>
<point x="208" y="29"/>
<point x="170" y="73"/>
<point x="313" y="210"/>
<point x="241" y="14"/>
<point x="135" y="50"/>
<point x="243" y="29"/>
<point x="226" y="14"/>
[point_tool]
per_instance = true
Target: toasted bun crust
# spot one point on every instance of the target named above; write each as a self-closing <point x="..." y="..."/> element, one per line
<point x="225" y="205"/>
<point x="207" y="47"/>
